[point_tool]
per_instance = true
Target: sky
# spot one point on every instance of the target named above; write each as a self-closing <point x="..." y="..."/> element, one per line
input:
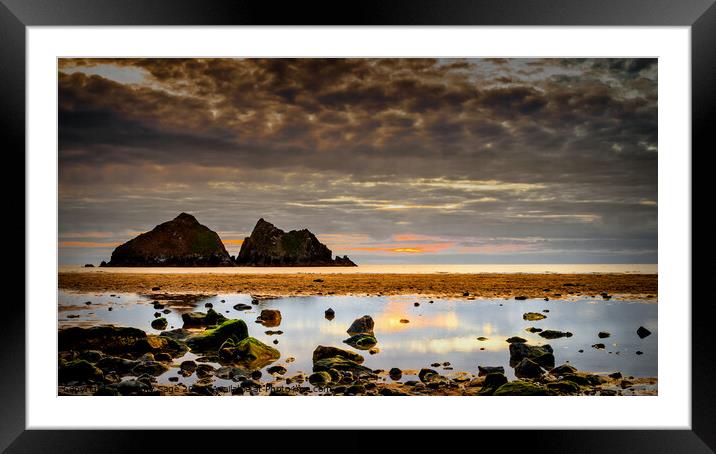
<point x="385" y="160"/>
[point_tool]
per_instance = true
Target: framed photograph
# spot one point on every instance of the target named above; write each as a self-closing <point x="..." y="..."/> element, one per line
<point x="421" y="216"/>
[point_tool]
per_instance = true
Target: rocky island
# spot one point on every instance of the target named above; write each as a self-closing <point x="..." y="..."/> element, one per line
<point x="183" y="241"/>
<point x="271" y="246"/>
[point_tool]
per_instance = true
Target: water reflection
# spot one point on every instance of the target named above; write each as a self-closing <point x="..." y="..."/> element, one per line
<point x="444" y="331"/>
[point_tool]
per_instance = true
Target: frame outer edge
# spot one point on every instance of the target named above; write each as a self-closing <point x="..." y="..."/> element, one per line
<point x="366" y="12"/>
<point x="12" y="125"/>
<point x="12" y="117"/>
<point x="703" y="111"/>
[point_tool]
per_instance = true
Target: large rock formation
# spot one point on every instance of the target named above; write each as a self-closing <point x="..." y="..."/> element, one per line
<point x="179" y="242"/>
<point x="271" y="246"/>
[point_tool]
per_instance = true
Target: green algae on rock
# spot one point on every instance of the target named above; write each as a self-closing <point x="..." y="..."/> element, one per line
<point x="212" y="338"/>
<point x="521" y="388"/>
<point x="362" y="341"/>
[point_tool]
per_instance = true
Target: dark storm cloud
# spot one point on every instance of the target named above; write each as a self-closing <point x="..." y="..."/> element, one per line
<point x="496" y="148"/>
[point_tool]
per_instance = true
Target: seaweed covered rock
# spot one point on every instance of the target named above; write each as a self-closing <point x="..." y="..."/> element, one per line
<point x="485" y="370"/>
<point x="183" y="241"/>
<point x="271" y="246"/>
<point x="213" y="338"/>
<point x="198" y="319"/>
<point x="80" y="371"/>
<point x="250" y="352"/>
<point x="362" y="341"/>
<point x="521" y="388"/>
<point x="322" y="352"/>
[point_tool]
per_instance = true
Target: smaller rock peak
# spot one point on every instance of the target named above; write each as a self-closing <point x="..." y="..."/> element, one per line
<point x="263" y="224"/>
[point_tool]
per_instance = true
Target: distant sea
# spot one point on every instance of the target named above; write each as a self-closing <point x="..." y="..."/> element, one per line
<point x="649" y="268"/>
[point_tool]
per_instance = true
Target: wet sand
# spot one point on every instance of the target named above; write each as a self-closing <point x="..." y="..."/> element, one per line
<point x="443" y="285"/>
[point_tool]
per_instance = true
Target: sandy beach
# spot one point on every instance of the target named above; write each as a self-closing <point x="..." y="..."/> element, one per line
<point x="617" y="285"/>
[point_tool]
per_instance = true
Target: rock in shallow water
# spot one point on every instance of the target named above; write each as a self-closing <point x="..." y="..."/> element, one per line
<point x="515" y="339"/>
<point x="552" y="334"/>
<point x="362" y="341"/>
<point x="533" y="316"/>
<point x="199" y="319"/>
<point x="159" y="323"/>
<point x="269" y="318"/>
<point x="542" y="355"/>
<point x="642" y="332"/>
<point x="363" y="325"/>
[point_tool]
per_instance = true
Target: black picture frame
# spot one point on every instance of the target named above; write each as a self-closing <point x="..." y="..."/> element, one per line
<point x="700" y="15"/>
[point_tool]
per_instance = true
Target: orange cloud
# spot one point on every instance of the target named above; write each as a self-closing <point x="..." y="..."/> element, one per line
<point x="88" y="244"/>
<point x="232" y="242"/>
<point x="404" y="248"/>
<point x="496" y="248"/>
<point x="87" y="235"/>
<point x="413" y="237"/>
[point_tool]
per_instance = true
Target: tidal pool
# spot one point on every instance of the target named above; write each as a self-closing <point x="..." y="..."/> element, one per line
<point x="438" y="332"/>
